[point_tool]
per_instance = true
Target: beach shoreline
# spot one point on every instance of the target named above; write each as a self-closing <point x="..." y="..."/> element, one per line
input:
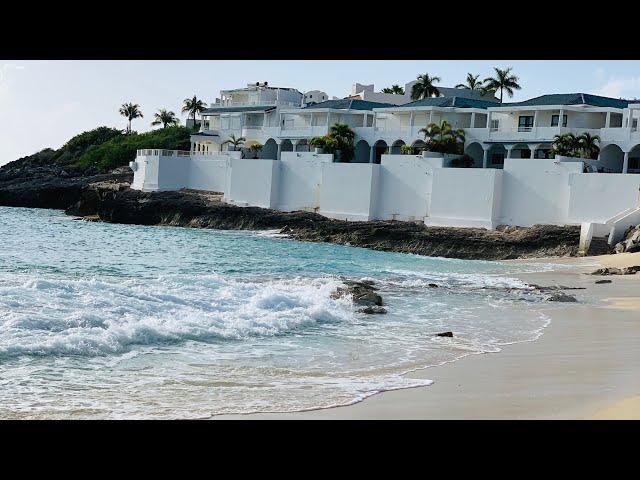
<point x="583" y="366"/>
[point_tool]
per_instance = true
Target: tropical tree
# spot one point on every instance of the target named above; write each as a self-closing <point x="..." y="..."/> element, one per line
<point x="395" y="89"/>
<point x="471" y="83"/>
<point x="193" y="106"/>
<point x="443" y="138"/>
<point x="503" y="81"/>
<point x="425" y="87"/>
<point x="256" y="148"/>
<point x="589" y="145"/>
<point x="235" y="142"/>
<point x="165" y="118"/>
<point x="584" y="145"/>
<point x="130" y="111"/>
<point x="406" y="149"/>
<point x="342" y="134"/>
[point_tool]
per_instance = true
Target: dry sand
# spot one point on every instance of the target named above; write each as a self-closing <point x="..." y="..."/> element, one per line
<point x="585" y="365"/>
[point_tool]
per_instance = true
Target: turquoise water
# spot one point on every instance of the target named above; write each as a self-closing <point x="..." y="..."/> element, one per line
<point x="125" y="321"/>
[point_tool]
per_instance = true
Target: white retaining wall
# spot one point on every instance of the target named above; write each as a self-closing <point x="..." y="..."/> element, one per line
<point x="349" y="190"/>
<point x="465" y="197"/>
<point x="403" y="187"/>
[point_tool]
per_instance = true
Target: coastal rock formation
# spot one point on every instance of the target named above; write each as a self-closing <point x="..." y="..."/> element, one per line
<point x="617" y="271"/>
<point x="445" y="334"/>
<point x="362" y="293"/>
<point x="598" y="282"/>
<point x="630" y="242"/>
<point x="37" y="186"/>
<point x="561" y="297"/>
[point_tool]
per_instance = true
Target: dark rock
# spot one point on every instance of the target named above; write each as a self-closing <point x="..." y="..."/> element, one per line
<point x="617" y="271"/>
<point x="444" y="334"/>
<point x="362" y="293"/>
<point x="602" y="281"/>
<point x="433" y="285"/>
<point x="561" y="297"/>
<point x="373" y="310"/>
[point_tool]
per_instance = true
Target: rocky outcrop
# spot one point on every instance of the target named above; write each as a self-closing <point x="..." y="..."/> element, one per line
<point x="51" y="186"/>
<point x="445" y="334"/>
<point x="630" y="241"/>
<point x="599" y="282"/>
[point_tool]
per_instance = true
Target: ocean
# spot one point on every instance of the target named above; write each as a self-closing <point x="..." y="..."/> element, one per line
<point x="123" y="321"/>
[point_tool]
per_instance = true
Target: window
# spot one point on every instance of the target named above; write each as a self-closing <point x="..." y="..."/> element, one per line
<point x="525" y="123"/>
<point x="494" y="125"/>
<point x="555" y="118"/>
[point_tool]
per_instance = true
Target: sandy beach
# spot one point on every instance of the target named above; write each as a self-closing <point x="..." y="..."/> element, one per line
<point x="584" y="366"/>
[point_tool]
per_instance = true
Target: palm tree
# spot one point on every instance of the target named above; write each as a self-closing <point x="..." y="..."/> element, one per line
<point x="471" y="83"/>
<point x="131" y="111"/>
<point x="236" y="142"/>
<point x="589" y="145"/>
<point x="165" y="118"/>
<point x="193" y="106"/>
<point x="565" y="144"/>
<point x="256" y="148"/>
<point x="443" y="138"/>
<point x="503" y="81"/>
<point x="425" y="87"/>
<point x="395" y="89"/>
<point x="342" y="133"/>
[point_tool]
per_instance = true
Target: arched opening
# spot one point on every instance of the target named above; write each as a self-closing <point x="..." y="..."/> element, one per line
<point x="475" y="151"/>
<point x="521" y="150"/>
<point x="634" y="160"/>
<point x="496" y="156"/>
<point x="381" y="148"/>
<point x="395" y="147"/>
<point x="269" y="150"/>
<point x="287" y="146"/>
<point x="246" y="149"/>
<point x="302" y="146"/>
<point x="610" y="160"/>
<point x="362" y="152"/>
<point x="418" y="147"/>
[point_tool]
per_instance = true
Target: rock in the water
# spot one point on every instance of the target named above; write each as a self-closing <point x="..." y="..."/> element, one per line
<point x="444" y="334"/>
<point x="362" y="292"/>
<point x="602" y="281"/>
<point x="433" y="285"/>
<point x="373" y="310"/>
<point x="630" y="242"/>
<point x="561" y="297"/>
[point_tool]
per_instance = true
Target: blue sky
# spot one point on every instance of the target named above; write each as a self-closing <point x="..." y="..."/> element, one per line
<point x="44" y="103"/>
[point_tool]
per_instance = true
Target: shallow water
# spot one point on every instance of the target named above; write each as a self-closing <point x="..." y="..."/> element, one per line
<point x="124" y="321"/>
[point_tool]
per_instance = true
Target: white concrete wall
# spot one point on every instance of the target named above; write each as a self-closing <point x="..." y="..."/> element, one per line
<point x="597" y="197"/>
<point x="301" y="180"/>
<point x="349" y="190"/>
<point x="252" y="183"/>
<point x="464" y="197"/>
<point x="536" y="191"/>
<point x="404" y="191"/>
<point x="208" y="172"/>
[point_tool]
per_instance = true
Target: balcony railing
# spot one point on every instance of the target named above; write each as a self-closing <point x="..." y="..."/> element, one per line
<point x="163" y="153"/>
<point x="524" y="129"/>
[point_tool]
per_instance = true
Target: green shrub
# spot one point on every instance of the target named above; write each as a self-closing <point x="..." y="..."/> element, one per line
<point x="121" y="150"/>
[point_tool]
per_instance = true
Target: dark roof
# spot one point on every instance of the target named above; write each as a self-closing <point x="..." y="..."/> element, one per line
<point x="571" y="99"/>
<point x="350" y="104"/>
<point x="458" y="102"/>
<point x="252" y="108"/>
<point x="205" y="134"/>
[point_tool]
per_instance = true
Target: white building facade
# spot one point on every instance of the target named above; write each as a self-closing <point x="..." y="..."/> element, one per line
<point x="515" y="180"/>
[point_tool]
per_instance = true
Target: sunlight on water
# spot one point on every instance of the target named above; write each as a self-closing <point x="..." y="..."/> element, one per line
<point x="121" y="321"/>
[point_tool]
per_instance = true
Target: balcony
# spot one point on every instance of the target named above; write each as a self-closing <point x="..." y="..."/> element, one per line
<point x="304" y="131"/>
<point x="152" y="152"/>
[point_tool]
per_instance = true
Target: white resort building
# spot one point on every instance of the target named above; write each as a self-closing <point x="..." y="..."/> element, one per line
<point x="514" y="179"/>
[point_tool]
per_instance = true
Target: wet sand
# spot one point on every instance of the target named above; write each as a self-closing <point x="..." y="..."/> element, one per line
<point x="585" y="365"/>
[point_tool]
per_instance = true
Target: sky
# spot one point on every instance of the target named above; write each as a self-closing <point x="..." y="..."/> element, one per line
<point x="44" y="103"/>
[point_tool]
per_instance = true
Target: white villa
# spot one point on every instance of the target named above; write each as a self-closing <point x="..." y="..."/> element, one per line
<point x="516" y="180"/>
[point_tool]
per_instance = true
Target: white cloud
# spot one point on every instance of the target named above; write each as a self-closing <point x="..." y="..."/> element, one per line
<point x="620" y="87"/>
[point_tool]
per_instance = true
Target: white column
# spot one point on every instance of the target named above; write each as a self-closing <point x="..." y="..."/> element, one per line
<point x="473" y="120"/>
<point x="488" y="122"/>
<point x="509" y="148"/>
<point x="193" y="146"/>
<point x="535" y="119"/>
<point x="485" y="158"/>
<point x="372" y="154"/>
<point x="607" y="123"/>
<point x="560" y="122"/>
<point x="279" y="150"/>
<point x="625" y="163"/>
<point x="533" y="151"/>
<point x="295" y="145"/>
